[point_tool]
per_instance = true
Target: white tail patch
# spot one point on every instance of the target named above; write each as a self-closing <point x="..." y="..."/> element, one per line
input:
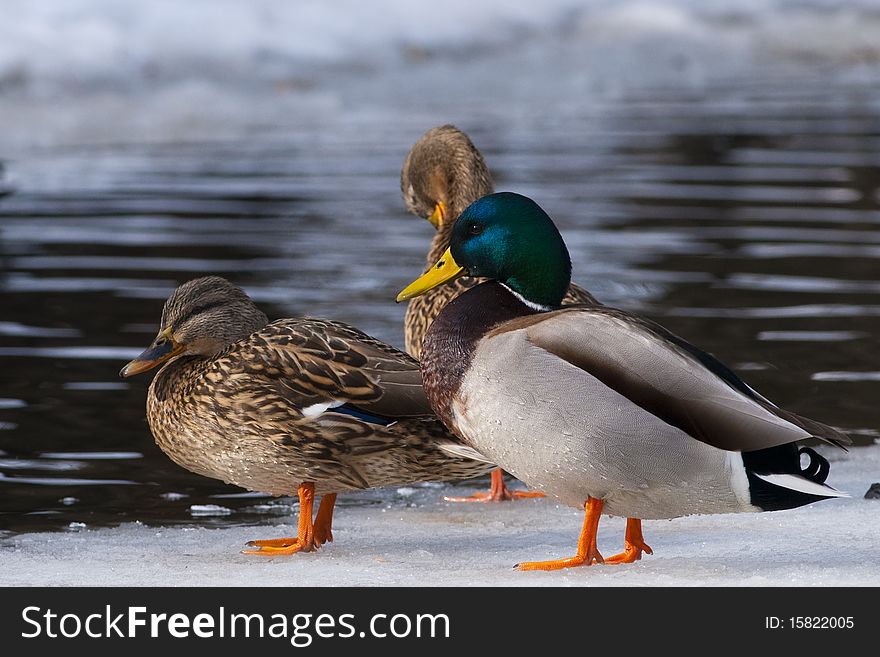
<point x="801" y="484"/>
<point x="316" y="409"/>
<point x="464" y="452"/>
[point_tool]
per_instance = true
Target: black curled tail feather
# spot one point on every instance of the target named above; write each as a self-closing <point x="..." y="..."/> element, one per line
<point x="786" y="460"/>
<point x="817" y="469"/>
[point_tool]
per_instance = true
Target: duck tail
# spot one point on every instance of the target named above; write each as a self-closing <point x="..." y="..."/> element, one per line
<point x="817" y="469"/>
<point x="777" y="480"/>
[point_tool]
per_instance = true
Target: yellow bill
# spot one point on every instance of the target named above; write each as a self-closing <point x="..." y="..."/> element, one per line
<point x="163" y="348"/>
<point x="438" y="216"/>
<point x="445" y="270"/>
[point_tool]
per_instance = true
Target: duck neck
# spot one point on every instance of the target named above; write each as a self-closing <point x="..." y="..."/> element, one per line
<point x="441" y="241"/>
<point x="454" y="335"/>
<point x="175" y="379"/>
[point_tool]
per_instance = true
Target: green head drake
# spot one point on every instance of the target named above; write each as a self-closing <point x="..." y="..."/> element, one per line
<point x="506" y="237"/>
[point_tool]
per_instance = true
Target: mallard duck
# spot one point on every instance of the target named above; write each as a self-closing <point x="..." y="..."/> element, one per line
<point x="593" y="405"/>
<point x="442" y="174"/>
<point x="310" y="405"/>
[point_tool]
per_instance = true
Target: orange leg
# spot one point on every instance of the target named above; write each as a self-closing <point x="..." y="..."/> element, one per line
<point x="322" y="527"/>
<point x="588" y="552"/>
<point x="324" y="520"/>
<point x="633" y="544"/>
<point x="498" y="493"/>
<point x="305" y="539"/>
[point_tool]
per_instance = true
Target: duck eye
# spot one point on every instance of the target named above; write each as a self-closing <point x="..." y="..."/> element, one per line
<point x="475" y="229"/>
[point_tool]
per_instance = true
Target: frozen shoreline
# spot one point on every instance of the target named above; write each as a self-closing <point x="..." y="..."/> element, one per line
<point x="164" y="71"/>
<point x="832" y="543"/>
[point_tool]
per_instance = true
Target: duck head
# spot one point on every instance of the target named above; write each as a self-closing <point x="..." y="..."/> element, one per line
<point x="201" y="317"/>
<point x="442" y="173"/>
<point x="505" y="237"/>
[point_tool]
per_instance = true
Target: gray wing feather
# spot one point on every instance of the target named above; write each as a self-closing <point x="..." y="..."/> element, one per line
<point x="667" y="381"/>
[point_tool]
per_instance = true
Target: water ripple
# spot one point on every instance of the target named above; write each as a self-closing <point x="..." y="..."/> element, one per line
<point x="59" y="481"/>
<point x="22" y="330"/>
<point x="800" y="284"/>
<point x="34" y="464"/>
<point x="811" y="336"/>
<point x="92" y="456"/>
<point x="810" y="310"/>
<point x="846" y="376"/>
<point x="743" y="215"/>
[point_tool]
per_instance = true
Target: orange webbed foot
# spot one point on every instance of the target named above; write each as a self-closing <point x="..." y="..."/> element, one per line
<point x="633" y="544"/>
<point x="324" y="520"/>
<point x="588" y="552"/>
<point x="321" y="537"/>
<point x="507" y="496"/>
<point x="630" y="553"/>
<point x="499" y="492"/>
<point x="558" y="564"/>
<point x="277" y="547"/>
<point x="273" y="542"/>
<point x="305" y="540"/>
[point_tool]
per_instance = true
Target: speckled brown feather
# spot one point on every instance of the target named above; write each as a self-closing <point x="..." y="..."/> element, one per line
<point x="445" y="166"/>
<point x="238" y="415"/>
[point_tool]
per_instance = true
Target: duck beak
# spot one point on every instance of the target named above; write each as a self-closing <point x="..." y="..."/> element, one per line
<point x="163" y="348"/>
<point x="438" y="216"/>
<point x="446" y="269"/>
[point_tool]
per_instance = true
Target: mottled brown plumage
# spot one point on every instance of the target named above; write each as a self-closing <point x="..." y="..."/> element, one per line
<point x="271" y="406"/>
<point x="444" y="167"/>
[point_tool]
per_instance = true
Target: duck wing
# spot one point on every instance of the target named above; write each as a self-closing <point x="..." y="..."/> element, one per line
<point x="329" y="393"/>
<point x="668" y="377"/>
<point x="320" y="362"/>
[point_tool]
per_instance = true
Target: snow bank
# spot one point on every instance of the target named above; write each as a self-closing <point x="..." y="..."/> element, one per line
<point x="163" y="69"/>
<point x="424" y="539"/>
<point x="70" y="43"/>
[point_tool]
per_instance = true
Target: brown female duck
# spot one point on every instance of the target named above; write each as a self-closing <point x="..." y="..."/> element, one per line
<point x="310" y="405"/>
<point x="442" y="174"/>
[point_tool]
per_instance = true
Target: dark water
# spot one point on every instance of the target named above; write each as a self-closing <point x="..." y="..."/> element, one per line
<point x="744" y="218"/>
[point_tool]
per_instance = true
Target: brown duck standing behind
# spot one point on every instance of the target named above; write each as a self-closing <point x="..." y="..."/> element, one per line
<point x="310" y="405"/>
<point x="442" y="174"/>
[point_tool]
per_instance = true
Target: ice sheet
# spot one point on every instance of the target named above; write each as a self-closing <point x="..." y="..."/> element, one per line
<point x="829" y="543"/>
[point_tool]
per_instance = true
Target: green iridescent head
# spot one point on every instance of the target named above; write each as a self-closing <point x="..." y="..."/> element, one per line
<point x="506" y="237"/>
